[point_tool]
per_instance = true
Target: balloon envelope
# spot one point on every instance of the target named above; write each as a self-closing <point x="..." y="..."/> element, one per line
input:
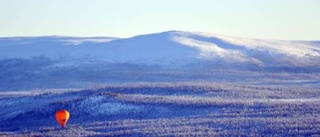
<point x="62" y="116"/>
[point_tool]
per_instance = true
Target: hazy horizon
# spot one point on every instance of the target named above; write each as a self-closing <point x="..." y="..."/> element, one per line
<point x="266" y="19"/>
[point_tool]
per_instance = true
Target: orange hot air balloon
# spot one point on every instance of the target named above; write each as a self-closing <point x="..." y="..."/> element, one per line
<point x="62" y="117"/>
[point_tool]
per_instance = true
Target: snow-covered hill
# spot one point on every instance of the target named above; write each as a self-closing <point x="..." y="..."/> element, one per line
<point x="47" y="46"/>
<point x="167" y="48"/>
<point x="57" y="62"/>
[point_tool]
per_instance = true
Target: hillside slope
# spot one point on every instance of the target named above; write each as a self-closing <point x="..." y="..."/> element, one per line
<point x="173" y="56"/>
<point x="168" y="48"/>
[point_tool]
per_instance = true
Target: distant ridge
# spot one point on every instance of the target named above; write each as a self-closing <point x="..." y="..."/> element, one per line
<point x="166" y="48"/>
<point x="172" y="56"/>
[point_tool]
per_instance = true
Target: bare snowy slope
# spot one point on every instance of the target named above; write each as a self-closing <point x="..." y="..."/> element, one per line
<point x="47" y="46"/>
<point x="167" y="48"/>
<point x="72" y="62"/>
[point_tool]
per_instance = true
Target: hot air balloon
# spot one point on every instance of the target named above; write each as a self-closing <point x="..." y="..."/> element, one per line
<point x="62" y="117"/>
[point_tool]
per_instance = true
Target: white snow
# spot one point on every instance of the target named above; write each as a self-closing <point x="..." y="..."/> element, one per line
<point x="211" y="50"/>
<point x="167" y="48"/>
<point x="289" y="48"/>
<point x="77" y="41"/>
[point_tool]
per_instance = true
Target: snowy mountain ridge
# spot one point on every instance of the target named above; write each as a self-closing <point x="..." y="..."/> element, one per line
<point x="166" y="48"/>
<point x="174" y="56"/>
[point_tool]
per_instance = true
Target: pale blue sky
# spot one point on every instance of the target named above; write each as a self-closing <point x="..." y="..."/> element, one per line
<point x="268" y="19"/>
